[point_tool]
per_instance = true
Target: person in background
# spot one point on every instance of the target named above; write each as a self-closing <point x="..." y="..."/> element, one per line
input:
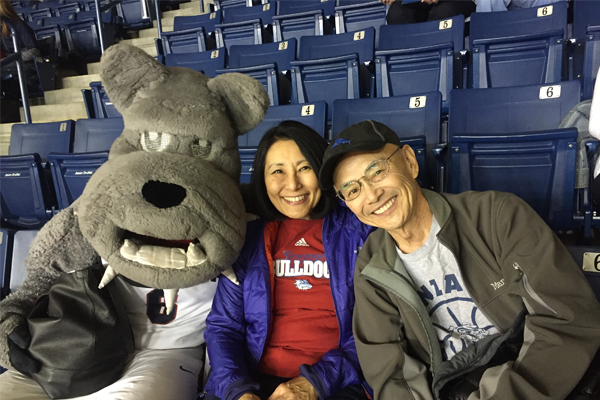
<point x="282" y="327"/>
<point x="458" y="296"/>
<point x="25" y="35"/>
<point x="411" y="11"/>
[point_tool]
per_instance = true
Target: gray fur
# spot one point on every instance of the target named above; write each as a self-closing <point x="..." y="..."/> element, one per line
<point x="200" y="119"/>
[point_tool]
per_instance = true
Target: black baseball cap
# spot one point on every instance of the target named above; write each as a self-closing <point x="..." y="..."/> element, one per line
<point x="368" y="135"/>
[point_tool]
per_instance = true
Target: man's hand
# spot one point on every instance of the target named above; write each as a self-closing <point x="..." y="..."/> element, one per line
<point x="249" y="396"/>
<point x="430" y="2"/>
<point x="296" y="389"/>
<point x="386" y="1"/>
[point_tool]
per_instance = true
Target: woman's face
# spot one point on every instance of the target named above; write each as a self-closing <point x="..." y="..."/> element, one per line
<point x="291" y="183"/>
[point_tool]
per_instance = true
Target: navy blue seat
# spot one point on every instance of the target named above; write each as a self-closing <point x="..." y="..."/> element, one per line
<point x="83" y="38"/>
<point x="67" y="8"/>
<point x="250" y="60"/>
<point x="417" y="58"/>
<point x="245" y="25"/>
<point x="297" y="18"/>
<point x="206" y="21"/>
<point x="22" y="243"/>
<point x="207" y="62"/>
<point x="27" y="196"/>
<point x="247" y="158"/>
<point x="586" y="30"/>
<point x="518" y="47"/>
<point x="329" y="67"/>
<point x="356" y="15"/>
<point x="103" y="107"/>
<point x="71" y="171"/>
<point x="6" y="249"/>
<point x="409" y="116"/>
<point x="228" y="4"/>
<point x="40" y="14"/>
<point x="135" y="14"/>
<point x="505" y="139"/>
<point x="185" y="41"/>
<point x="63" y="19"/>
<point x="586" y="257"/>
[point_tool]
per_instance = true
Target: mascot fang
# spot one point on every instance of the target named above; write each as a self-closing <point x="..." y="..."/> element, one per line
<point x="164" y="212"/>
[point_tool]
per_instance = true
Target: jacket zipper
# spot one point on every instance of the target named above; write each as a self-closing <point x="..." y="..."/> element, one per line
<point x="530" y="290"/>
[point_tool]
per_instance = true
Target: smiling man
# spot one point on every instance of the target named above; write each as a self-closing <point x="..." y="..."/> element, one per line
<point x="467" y="296"/>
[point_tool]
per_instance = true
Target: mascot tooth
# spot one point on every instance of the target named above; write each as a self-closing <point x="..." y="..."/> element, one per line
<point x="109" y="275"/>
<point x="195" y="255"/>
<point x="170" y="297"/>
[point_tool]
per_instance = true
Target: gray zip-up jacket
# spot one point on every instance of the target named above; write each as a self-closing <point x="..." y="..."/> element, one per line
<point x="511" y="263"/>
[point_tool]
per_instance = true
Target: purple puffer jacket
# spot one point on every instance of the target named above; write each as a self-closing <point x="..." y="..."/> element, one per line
<point x="238" y="324"/>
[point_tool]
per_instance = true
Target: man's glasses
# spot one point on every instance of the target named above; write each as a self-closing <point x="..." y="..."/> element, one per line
<point x="376" y="172"/>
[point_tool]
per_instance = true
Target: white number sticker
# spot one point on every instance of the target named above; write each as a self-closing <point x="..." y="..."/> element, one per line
<point x="446" y="24"/>
<point x="266" y="7"/>
<point x="213" y="15"/>
<point x="283" y="45"/>
<point x="591" y="262"/>
<point x="63" y="127"/>
<point x="214" y="54"/>
<point x="417" y="102"/>
<point x="308" y="110"/>
<point x="359" y="35"/>
<point x="323" y="1"/>
<point x="544" y="11"/>
<point x="550" y="92"/>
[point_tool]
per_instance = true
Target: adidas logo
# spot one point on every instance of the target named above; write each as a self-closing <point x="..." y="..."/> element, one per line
<point x="302" y="242"/>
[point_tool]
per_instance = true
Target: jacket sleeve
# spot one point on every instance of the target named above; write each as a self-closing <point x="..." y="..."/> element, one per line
<point x="562" y="330"/>
<point x="381" y="347"/>
<point x="226" y="340"/>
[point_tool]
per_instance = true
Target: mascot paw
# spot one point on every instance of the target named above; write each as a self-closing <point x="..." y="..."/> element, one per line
<point x="18" y="343"/>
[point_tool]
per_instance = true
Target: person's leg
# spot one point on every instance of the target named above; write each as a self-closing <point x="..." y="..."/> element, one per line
<point x="352" y="392"/>
<point x="16" y="386"/>
<point x="407" y="13"/>
<point x="449" y="9"/>
<point x="492" y="5"/>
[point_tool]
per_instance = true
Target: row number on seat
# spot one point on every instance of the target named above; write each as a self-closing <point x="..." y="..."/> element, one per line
<point x="544" y="11"/>
<point x="360" y="35"/>
<point x="445" y="24"/>
<point x="213" y="15"/>
<point x="591" y="262"/>
<point x="417" y="102"/>
<point x="549" y="92"/>
<point x="308" y="110"/>
<point x="283" y="45"/>
<point x="266" y="7"/>
<point x="63" y="127"/>
<point x="214" y="54"/>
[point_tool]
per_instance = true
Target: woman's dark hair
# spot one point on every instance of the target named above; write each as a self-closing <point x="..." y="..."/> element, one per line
<point x="312" y="146"/>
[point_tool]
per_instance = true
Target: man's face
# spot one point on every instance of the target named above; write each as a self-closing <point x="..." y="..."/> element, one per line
<point x="390" y="203"/>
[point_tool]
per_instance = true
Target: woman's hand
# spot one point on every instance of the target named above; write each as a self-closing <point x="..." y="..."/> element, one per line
<point x="387" y="1"/>
<point x="296" y="389"/>
<point x="249" y="396"/>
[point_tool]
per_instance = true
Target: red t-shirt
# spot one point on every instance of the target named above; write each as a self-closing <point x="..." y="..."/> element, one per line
<point x="304" y="325"/>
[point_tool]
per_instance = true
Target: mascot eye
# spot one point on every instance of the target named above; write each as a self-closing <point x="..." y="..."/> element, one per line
<point x="156" y="141"/>
<point x="201" y="147"/>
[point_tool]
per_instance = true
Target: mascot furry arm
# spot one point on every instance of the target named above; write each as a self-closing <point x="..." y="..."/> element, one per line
<point x="165" y="211"/>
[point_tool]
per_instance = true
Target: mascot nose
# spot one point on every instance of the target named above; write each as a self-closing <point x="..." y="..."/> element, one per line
<point x="163" y="195"/>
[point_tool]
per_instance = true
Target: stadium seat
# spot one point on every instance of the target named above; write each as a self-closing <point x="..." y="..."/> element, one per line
<point x="207" y="62"/>
<point x="40" y="14"/>
<point x="409" y="116"/>
<point x="60" y="20"/>
<point x="82" y="37"/>
<point x="206" y="21"/>
<point x="518" y="47"/>
<point x="185" y="41"/>
<point x="135" y="14"/>
<point x="586" y="31"/>
<point x="245" y="25"/>
<point x="92" y="135"/>
<point x="71" y="172"/>
<point x="67" y="8"/>
<point x="587" y="259"/>
<point x="247" y="158"/>
<point x="297" y="18"/>
<point x="329" y="67"/>
<point x="21" y="245"/>
<point x="6" y="249"/>
<point x="226" y="4"/>
<point x="250" y="60"/>
<point x="417" y="58"/>
<point x="356" y="15"/>
<point x="313" y="115"/>
<point x="103" y="107"/>
<point x="506" y="139"/>
<point x="27" y="195"/>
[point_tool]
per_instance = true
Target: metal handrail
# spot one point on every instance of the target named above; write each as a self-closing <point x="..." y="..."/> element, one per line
<point x="108" y="6"/>
<point x="20" y="69"/>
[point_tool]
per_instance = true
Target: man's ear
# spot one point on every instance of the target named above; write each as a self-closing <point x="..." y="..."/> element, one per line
<point x="126" y="70"/>
<point x="411" y="160"/>
<point x="245" y="98"/>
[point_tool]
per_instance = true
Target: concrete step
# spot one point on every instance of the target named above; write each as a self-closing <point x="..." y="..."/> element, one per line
<point x="149" y="33"/>
<point x="5" y="130"/>
<point x="191" y="4"/>
<point x="139" y="42"/>
<point x="81" y="81"/>
<point x="149" y="49"/>
<point x="63" y="96"/>
<point x="167" y="24"/>
<point x="93" y="68"/>
<point x="181" y="12"/>
<point x="57" y="112"/>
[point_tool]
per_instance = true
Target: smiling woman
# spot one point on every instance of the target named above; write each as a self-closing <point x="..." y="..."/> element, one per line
<point x="298" y="261"/>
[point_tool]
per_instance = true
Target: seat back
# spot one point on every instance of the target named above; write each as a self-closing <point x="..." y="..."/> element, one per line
<point x="67" y="8"/>
<point x="207" y="62"/>
<point x="135" y="14"/>
<point x="228" y="4"/>
<point x="287" y="7"/>
<point x="103" y="107"/>
<point x="297" y="18"/>
<point x="247" y="158"/>
<point x="83" y="38"/>
<point x="353" y="16"/>
<point x="518" y="47"/>
<point x="41" y="138"/>
<point x="408" y="116"/>
<point x="96" y="134"/>
<point x="280" y="53"/>
<point x="206" y="21"/>
<point x="313" y="115"/>
<point x="506" y="110"/>
<point x="187" y="41"/>
<point x="40" y="14"/>
<point x="361" y="43"/>
<point x="264" y="12"/>
<point x="586" y="30"/>
<point x="22" y="243"/>
<point x="6" y="249"/>
<point x="585" y="14"/>
<point x="63" y="19"/>
<point x="587" y="258"/>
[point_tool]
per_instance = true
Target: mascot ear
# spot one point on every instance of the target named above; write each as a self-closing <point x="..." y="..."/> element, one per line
<point x="126" y="70"/>
<point x="245" y="98"/>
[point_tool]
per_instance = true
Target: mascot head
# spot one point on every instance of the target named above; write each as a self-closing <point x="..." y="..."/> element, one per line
<point x="165" y="210"/>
